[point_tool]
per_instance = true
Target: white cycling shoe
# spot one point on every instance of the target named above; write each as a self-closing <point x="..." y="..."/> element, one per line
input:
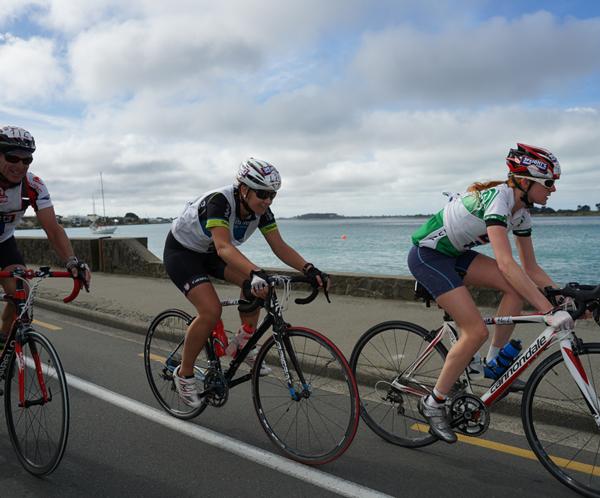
<point x="251" y="359"/>
<point x="187" y="389"/>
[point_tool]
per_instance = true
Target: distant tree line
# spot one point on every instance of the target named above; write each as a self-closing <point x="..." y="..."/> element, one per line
<point x="581" y="209"/>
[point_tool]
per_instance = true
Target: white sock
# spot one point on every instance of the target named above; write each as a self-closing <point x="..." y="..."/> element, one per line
<point x="492" y="353"/>
<point x="433" y="402"/>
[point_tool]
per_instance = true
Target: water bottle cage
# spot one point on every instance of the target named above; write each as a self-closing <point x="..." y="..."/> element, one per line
<point x="498" y="366"/>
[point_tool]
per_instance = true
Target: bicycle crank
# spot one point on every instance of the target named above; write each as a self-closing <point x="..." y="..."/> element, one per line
<point x="216" y="388"/>
<point x="469" y="415"/>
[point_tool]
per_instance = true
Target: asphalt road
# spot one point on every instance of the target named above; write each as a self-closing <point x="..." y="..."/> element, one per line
<point x="121" y="444"/>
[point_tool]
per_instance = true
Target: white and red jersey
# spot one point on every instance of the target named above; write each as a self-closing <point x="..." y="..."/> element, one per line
<point x="14" y="202"/>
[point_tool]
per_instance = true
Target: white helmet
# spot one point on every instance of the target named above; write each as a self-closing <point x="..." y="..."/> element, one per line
<point x="258" y="175"/>
<point x="15" y="138"/>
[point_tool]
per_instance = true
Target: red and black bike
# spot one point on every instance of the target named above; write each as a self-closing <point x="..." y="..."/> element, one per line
<point x="36" y="399"/>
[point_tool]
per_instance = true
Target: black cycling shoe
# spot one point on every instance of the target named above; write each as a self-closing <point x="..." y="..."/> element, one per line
<point x="439" y="426"/>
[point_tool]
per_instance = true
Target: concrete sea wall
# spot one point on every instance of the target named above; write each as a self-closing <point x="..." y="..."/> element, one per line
<point x="130" y="256"/>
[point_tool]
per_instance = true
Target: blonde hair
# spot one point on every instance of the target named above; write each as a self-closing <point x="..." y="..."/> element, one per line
<point x="479" y="186"/>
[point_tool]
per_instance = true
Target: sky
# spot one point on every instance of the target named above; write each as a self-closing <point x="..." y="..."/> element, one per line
<point x="366" y="107"/>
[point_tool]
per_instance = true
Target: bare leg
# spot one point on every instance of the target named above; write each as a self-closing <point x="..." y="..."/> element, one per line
<point x="484" y="272"/>
<point x="8" y="313"/>
<point x="207" y="304"/>
<point x="473" y="333"/>
<point x="238" y="279"/>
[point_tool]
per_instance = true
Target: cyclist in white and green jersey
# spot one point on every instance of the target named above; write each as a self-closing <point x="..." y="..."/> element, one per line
<point x="443" y="261"/>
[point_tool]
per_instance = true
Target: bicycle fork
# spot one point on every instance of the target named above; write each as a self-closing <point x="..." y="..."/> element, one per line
<point x="24" y="403"/>
<point x="284" y="343"/>
<point x="578" y="373"/>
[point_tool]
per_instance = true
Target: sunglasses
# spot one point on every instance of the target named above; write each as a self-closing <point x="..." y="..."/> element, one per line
<point x="546" y="183"/>
<point x="265" y="194"/>
<point x="16" y="159"/>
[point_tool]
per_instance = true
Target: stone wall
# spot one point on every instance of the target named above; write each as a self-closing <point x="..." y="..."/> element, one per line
<point x="130" y="256"/>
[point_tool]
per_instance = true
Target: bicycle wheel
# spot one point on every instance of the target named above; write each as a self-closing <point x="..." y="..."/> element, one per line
<point x="38" y="426"/>
<point x="319" y="424"/>
<point x="162" y="354"/>
<point x="559" y="424"/>
<point x="381" y="355"/>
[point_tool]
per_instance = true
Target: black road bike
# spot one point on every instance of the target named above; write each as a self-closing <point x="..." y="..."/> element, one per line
<point x="308" y="404"/>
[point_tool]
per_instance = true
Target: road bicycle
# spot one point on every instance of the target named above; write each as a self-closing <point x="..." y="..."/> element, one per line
<point x="308" y="404"/>
<point x="396" y="363"/>
<point x="36" y="399"/>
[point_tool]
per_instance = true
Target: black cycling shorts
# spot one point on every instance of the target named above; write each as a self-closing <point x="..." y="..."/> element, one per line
<point x="10" y="254"/>
<point x="188" y="269"/>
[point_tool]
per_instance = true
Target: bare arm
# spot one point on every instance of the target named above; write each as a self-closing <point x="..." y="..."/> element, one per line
<point x="56" y="234"/>
<point x="283" y="251"/>
<point x="229" y="253"/>
<point x="530" y="264"/>
<point x="515" y="275"/>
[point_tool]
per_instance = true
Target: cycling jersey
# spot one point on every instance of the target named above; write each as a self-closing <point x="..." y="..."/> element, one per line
<point x="14" y="202"/>
<point x="218" y="208"/>
<point x="463" y="222"/>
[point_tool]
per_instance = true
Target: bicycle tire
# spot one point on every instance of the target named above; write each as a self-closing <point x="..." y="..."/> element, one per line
<point x="38" y="431"/>
<point x="320" y="427"/>
<point x="558" y="423"/>
<point x="164" y="342"/>
<point x="381" y="355"/>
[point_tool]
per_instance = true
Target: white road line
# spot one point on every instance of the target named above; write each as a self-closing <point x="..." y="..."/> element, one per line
<point x="243" y="450"/>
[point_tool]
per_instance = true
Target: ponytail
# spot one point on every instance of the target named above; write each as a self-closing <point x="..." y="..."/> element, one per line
<point x="479" y="186"/>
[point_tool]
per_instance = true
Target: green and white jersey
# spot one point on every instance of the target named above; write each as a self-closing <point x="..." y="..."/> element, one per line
<point x="463" y="222"/>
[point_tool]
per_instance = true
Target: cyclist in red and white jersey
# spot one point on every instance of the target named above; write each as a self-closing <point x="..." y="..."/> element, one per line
<point x="204" y="241"/>
<point x="443" y="261"/>
<point x="19" y="189"/>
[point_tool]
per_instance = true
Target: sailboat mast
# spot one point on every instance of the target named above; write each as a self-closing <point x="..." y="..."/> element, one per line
<point x="102" y="190"/>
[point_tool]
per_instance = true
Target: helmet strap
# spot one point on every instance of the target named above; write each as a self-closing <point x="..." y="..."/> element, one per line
<point x="243" y="201"/>
<point x="525" y="195"/>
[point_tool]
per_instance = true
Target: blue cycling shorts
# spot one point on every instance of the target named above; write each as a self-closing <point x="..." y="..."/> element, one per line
<point x="438" y="272"/>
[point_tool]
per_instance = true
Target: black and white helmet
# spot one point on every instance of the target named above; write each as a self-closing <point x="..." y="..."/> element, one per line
<point x="14" y="138"/>
<point x="258" y="175"/>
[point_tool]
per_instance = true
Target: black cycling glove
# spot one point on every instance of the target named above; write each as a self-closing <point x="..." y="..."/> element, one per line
<point x="82" y="270"/>
<point x="312" y="271"/>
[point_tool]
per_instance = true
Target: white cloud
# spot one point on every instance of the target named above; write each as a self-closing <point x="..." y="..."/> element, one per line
<point x="495" y="61"/>
<point x="168" y="101"/>
<point x="29" y="69"/>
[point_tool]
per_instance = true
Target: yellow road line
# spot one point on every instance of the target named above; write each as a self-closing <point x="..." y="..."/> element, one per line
<point x="48" y="326"/>
<point x="154" y="357"/>
<point x="513" y="450"/>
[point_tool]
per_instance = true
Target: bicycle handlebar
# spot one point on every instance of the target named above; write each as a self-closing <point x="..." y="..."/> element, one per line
<point x="255" y="302"/>
<point x="44" y="272"/>
<point x="586" y="297"/>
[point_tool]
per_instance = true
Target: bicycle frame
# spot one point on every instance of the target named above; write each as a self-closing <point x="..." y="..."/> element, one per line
<point x="274" y="319"/>
<point x="568" y="344"/>
<point x="14" y="343"/>
<point x="22" y="322"/>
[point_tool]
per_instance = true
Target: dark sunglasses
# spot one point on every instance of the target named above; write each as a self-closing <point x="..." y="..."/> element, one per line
<point x="265" y="194"/>
<point x="16" y="159"/>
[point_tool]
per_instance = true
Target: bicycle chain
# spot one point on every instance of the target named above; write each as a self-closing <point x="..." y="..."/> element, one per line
<point x="469" y="415"/>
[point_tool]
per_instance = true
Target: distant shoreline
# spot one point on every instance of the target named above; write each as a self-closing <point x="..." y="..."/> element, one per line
<point x="338" y="217"/>
<point x="333" y="216"/>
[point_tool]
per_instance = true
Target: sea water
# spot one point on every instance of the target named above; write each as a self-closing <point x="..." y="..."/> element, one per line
<point x="568" y="248"/>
